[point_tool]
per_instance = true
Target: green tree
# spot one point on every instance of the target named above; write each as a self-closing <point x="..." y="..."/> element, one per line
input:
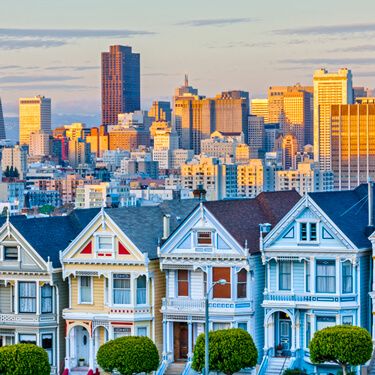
<point x="128" y="355"/>
<point x="230" y="351"/>
<point x="16" y="173"/>
<point x="24" y="359"/>
<point x="46" y="209"/>
<point x="343" y="345"/>
<point x="7" y="171"/>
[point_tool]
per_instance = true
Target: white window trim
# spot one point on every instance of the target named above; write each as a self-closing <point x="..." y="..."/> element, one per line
<point x="308" y="241"/>
<point x="53" y="344"/>
<point x="92" y="291"/>
<point x="306" y="267"/>
<point x="213" y="237"/>
<point x="278" y="278"/>
<point x="143" y="327"/>
<point x="96" y="242"/>
<point x="131" y="290"/>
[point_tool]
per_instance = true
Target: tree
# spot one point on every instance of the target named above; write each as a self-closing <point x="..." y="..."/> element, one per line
<point x="24" y="359"/>
<point x="344" y="345"/>
<point x="7" y="171"/>
<point x="230" y="351"/>
<point x="128" y="355"/>
<point x="46" y="209"/>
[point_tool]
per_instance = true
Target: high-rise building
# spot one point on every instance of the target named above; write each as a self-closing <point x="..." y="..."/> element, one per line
<point x="353" y="144"/>
<point x="78" y="152"/>
<point x="160" y="111"/>
<point x="329" y="89"/>
<point x="16" y="158"/>
<point x="34" y="116"/>
<point x="2" y="124"/>
<point x="259" y="108"/>
<point x="256" y="135"/>
<point x="250" y="178"/>
<point x="165" y="141"/>
<point x="120" y="83"/>
<point x="231" y="112"/>
<point x="289" y="148"/>
<point x="40" y="144"/>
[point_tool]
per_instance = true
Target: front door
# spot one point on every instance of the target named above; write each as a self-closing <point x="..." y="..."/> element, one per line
<point x="285" y="334"/>
<point x="180" y="341"/>
<point x="82" y="345"/>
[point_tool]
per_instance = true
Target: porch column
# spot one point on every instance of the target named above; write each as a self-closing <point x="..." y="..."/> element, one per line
<point x="67" y="352"/>
<point x="91" y="351"/>
<point x="110" y="332"/>
<point x="293" y="346"/>
<point x="165" y="339"/>
<point x="16" y="307"/>
<point x="190" y="340"/>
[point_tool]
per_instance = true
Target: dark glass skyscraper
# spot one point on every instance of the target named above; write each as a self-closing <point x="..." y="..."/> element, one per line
<point x="121" y="81"/>
<point x="2" y="125"/>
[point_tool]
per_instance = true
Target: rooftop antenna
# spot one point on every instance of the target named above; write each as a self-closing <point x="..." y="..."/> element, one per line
<point x="186" y="80"/>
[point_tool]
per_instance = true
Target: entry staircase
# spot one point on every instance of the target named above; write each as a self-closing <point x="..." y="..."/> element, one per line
<point x="277" y="365"/>
<point x="175" y="368"/>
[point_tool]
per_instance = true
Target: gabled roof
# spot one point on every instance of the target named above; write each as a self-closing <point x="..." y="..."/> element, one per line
<point x="241" y="218"/>
<point x="349" y="212"/>
<point x="144" y="225"/>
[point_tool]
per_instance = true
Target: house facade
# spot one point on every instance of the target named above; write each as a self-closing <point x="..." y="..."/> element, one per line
<point x="317" y="261"/>
<point x="115" y="282"/>
<point x="218" y="240"/>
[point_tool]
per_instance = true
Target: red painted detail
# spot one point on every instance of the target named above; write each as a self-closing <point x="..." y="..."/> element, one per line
<point x="90" y="372"/>
<point x="122" y="250"/>
<point x="97" y="372"/>
<point x="65" y="372"/>
<point x="100" y="255"/>
<point x="87" y="249"/>
<point x="123" y="323"/>
<point x="108" y="255"/>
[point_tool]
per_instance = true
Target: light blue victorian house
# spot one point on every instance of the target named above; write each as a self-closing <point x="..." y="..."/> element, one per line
<point x="317" y="261"/>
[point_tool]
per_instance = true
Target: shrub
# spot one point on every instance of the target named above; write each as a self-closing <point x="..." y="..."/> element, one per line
<point x="128" y="355"/>
<point x="344" y="345"/>
<point x="230" y="351"/>
<point x="24" y="359"/>
<point x="294" y="371"/>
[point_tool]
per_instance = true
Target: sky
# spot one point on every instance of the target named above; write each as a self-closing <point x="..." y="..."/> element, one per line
<point x="52" y="48"/>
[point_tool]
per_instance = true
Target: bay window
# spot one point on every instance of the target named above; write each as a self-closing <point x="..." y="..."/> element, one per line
<point x="182" y="283"/>
<point x="47" y="345"/>
<point x="242" y="284"/>
<point x="46" y="293"/>
<point x="324" y="322"/>
<point x="85" y="289"/>
<point x="27" y="297"/>
<point x="27" y="339"/>
<point x="121" y="289"/>
<point x="141" y="290"/>
<point x="204" y="238"/>
<point x="347" y="277"/>
<point x="285" y="275"/>
<point x="326" y="276"/>
<point x="222" y="291"/>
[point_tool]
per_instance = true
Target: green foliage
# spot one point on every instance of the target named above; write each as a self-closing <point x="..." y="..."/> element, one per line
<point x="46" y="209"/>
<point x="24" y="359"/>
<point x="345" y="345"/>
<point x="294" y="371"/>
<point x="230" y="351"/>
<point x="128" y="355"/>
<point x="11" y="172"/>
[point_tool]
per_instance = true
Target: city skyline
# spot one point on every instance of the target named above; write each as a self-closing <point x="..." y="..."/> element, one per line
<point x="56" y="52"/>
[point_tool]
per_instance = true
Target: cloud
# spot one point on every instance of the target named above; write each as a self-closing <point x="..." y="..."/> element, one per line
<point x="26" y="79"/>
<point x="329" y="29"/>
<point x="159" y="74"/>
<point x="357" y="48"/>
<point x="14" y="44"/>
<point x="242" y="44"/>
<point x="215" y="22"/>
<point x="37" y="87"/>
<point x="73" y="67"/>
<point x="320" y="61"/>
<point x="365" y="74"/>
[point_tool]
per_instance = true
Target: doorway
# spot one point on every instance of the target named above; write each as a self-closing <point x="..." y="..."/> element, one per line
<point x="283" y="334"/>
<point x="181" y="337"/>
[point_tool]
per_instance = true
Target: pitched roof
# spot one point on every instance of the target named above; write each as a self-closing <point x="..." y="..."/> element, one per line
<point x="349" y="211"/>
<point x="144" y="225"/>
<point x="241" y="218"/>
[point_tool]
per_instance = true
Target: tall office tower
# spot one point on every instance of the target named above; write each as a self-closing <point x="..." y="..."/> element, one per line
<point x="78" y="152"/>
<point x="121" y="82"/>
<point x="353" y="144"/>
<point x="259" y="107"/>
<point x="231" y="112"/>
<point x="15" y="157"/>
<point x="2" y="124"/>
<point x="329" y="89"/>
<point x="256" y="135"/>
<point x="98" y="140"/>
<point x="160" y="111"/>
<point x="40" y="144"/>
<point x="35" y="115"/>
<point x="165" y="142"/>
<point x="289" y="148"/>
<point x="276" y="103"/>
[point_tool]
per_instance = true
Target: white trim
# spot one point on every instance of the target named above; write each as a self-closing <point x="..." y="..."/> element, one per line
<point x="79" y="291"/>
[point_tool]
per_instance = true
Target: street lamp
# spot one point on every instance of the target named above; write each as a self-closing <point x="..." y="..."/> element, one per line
<point x="206" y="347"/>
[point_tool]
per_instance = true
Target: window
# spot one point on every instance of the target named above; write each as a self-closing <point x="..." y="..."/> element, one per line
<point x="241" y="284"/>
<point x="347" y="320"/>
<point x="243" y="325"/>
<point x="121" y="289"/>
<point x="47" y="345"/>
<point x="217" y="326"/>
<point x="303" y="229"/>
<point x="141" y="331"/>
<point x="324" y="322"/>
<point x="326" y="276"/>
<point x="313" y="236"/>
<point x="141" y="290"/>
<point x="308" y="330"/>
<point x="347" y="277"/>
<point x="105" y="243"/>
<point x="121" y="331"/>
<point x="307" y="272"/>
<point x="204" y="238"/>
<point x="10" y="253"/>
<point x="285" y="275"/>
<point x="222" y="291"/>
<point x="46" y="299"/>
<point x="85" y="289"/>
<point x="183" y="283"/>
<point x="27" y="297"/>
<point x="27" y="339"/>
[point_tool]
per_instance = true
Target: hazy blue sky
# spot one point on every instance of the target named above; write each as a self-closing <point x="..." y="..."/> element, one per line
<point x="53" y="47"/>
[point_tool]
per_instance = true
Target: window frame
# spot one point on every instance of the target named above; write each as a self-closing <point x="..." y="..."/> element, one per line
<point x="129" y="278"/>
<point x="52" y="348"/>
<point x="346" y="276"/>
<point x="46" y="297"/>
<point x="307" y="276"/>
<point x="137" y="288"/>
<point x="242" y="283"/>
<point x="219" y="289"/>
<point x="210" y="238"/>
<point x="80" y="302"/>
<point x="27" y="297"/>
<point x="6" y="258"/>
<point x="183" y="281"/>
<point x="305" y="235"/>
<point x="280" y="274"/>
<point x="146" y="331"/>
<point x="319" y="262"/>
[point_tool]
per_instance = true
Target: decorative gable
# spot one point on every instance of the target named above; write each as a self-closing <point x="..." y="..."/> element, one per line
<point x="87" y="249"/>
<point x="122" y="250"/>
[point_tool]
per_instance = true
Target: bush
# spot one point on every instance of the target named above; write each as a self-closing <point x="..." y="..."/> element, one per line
<point x="128" y="355"/>
<point x="24" y="359"/>
<point x="344" y="345"/>
<point x="230" y="351"/>
<point x="294" y="371"/>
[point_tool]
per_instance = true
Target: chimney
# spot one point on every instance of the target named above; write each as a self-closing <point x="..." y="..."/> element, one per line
<point x="370" y="204"/>
<point x="166" y="226"/>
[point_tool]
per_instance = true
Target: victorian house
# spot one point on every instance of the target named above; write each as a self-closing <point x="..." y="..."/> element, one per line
<point x="317" y="261"/>
<point x="32" y="291"/>
<point x="218" y="240"/>
<point x="115" y="282"/>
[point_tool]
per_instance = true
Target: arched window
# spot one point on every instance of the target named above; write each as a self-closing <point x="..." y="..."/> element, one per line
<point x="242" y="284"/>
<point x="141" y="290"/>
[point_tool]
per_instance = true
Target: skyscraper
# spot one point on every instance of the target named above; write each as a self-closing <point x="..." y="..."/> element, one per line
<point x="259" y="107"/>
<point x="2" y="125"/>
<point x="353" y="144"/>
<point x="121" y="83"/>
<point x="35" y="115"/>
<point x="329" y="89"/>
